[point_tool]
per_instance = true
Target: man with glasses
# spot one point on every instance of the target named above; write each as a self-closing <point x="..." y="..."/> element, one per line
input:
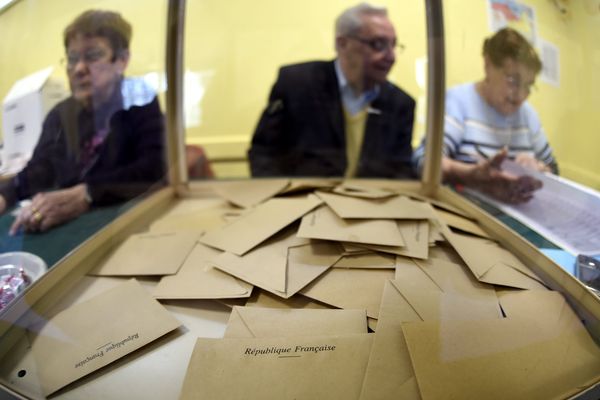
<point x="102" y="145"/>
<point x="342" y="117"/>
<point x="489" y="121"/>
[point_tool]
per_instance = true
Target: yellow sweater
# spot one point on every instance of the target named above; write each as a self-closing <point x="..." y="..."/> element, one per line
<point x="355" y="132"/>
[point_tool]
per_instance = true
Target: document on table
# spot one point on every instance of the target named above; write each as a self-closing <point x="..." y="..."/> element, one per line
<point x="564" y="212"/>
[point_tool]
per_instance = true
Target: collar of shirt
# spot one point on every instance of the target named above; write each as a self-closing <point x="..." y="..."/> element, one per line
<point x="353" y="103"/>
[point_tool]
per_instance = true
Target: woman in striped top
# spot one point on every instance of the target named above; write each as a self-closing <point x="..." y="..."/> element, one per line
<point x="490" y="120"/>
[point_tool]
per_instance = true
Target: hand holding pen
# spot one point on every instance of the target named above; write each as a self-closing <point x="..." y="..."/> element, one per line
<point x="488" y="176"/>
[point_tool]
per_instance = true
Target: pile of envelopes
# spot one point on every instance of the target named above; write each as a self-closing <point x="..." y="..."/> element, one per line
<point x="357" y="290"/>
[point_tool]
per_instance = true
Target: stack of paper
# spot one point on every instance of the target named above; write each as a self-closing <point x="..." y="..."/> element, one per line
<point x="451" y="314"/>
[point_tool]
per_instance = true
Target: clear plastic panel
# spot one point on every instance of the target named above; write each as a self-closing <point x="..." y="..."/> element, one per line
<point x="233" y="53"/>
<point x="336" y="277"/>
<point x="82" y="118"/>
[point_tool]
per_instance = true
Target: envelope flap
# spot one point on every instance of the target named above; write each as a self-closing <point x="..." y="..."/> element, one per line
<point x="237" y="326"/>
<point x="543" y="305"/>
<point x="462" y="223"/>
<point x="412" y="275"/>
<point x="324" y="224"/>
<point x="66" y="348"/>
<point x="502" y="274"/>
<point x="269" y="322"/>
<point x="198" y="279"/>
<point x="265" y="265"/>
<point x="350" y="288"/>
<point x="248" y="193"/>
<point x="261" y="223"/>
<point x="307" y="262"/>
<point x="396" y="207"/>
<point x="415" y="235"/>
<point x="356" y="190"/>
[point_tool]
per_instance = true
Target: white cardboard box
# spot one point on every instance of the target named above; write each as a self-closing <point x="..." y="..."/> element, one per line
<point x="24" y="109"/>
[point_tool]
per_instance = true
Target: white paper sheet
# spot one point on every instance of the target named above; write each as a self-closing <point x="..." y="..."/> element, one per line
<point x="564" y="212"/>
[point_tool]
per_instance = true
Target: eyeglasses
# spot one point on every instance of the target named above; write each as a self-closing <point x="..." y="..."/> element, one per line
<point x="514" y="82"/>
<point x="88" y="57"/>
<point x="379" y="44"/>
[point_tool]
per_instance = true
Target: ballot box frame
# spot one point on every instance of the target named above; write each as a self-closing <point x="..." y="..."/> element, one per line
<point x="67" y="277"/>
<point x="66" y="281"/>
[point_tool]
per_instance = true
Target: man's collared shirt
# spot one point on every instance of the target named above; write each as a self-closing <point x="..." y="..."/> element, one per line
<point x="353" y="103"/>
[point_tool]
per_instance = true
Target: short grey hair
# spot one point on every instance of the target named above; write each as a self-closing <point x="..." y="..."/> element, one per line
<point x="350" y="21"/>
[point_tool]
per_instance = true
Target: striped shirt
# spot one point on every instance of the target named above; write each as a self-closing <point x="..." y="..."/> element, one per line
<point x="472" y="127"/>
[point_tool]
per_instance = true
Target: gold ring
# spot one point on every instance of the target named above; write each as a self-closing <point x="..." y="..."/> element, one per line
<point x="37" y="216"/>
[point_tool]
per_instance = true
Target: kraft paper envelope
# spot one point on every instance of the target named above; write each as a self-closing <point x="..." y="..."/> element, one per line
<point x="97" y="332"/>
<point x="352" y="248"/>
<point x="149" y="254"/>
<point x="432" y="305"/>
<point x="433" y="202"/>
<point x="397" y="207"/>
<point x="298" y="185"/>
<point x="492" y="264"/>
<point x="546" y="305"/>
<point x="250" y="193"/>
<point x="304" y="367"/>
<point x="248" y="322"/>
<point x="444" y="251"/>
<point x="264" y="299"/>
<point x="461" y="223"/>
<point x="193" y="221"/>
<point x="266" y="265"/>
<point x="389" y="372"/>
<point x="324" y="224"/>
<point x="283" y="265"/>
<point x="363" y="192"/>
<point x="508" y="358"/>
<point x="435" y="235"/>
<point x="448" y="277"/>
<point x="198" y="279"/>
<point x="416" y="239"/>
<point x="368" y="260"/>
<point x="306" y="263"/>
<point x="245" y="233"/>
<point x="350" y="288"/>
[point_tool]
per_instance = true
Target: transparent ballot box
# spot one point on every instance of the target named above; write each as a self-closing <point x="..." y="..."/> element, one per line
<point x="280" y="200"/>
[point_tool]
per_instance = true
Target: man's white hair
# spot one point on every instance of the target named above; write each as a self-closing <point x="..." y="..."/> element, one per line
<point x="350" y="21"/>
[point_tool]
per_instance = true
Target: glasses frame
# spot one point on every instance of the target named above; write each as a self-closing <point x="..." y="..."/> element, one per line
<point x="376" y="44"/>
<point x="514" y="82"/>
<point x="89" y="57"/>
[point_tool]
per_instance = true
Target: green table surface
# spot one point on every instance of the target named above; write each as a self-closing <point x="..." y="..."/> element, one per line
<point x="53" y="245"/>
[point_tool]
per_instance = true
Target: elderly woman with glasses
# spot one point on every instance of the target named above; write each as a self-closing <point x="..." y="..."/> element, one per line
<point x="490" y="120"/>
<point x="103" y="144"/>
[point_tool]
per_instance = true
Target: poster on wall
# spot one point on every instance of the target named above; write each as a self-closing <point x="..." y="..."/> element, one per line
<point x="514" y="14"/>
<point x="550" y="55"/>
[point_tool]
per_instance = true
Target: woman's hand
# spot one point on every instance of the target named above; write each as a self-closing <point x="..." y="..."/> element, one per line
<point x="49" y="209"/>
<point x="488" y="177"/>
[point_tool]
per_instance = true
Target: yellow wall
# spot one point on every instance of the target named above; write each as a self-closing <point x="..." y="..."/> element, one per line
<point x="31" y="32"/>
<point x="234" y="48"/>
<point x="569" y="113"/>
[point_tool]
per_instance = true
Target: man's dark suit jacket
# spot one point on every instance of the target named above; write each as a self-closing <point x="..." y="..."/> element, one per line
<point x="301" y="133"/>
<point x="130" y="162"/>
